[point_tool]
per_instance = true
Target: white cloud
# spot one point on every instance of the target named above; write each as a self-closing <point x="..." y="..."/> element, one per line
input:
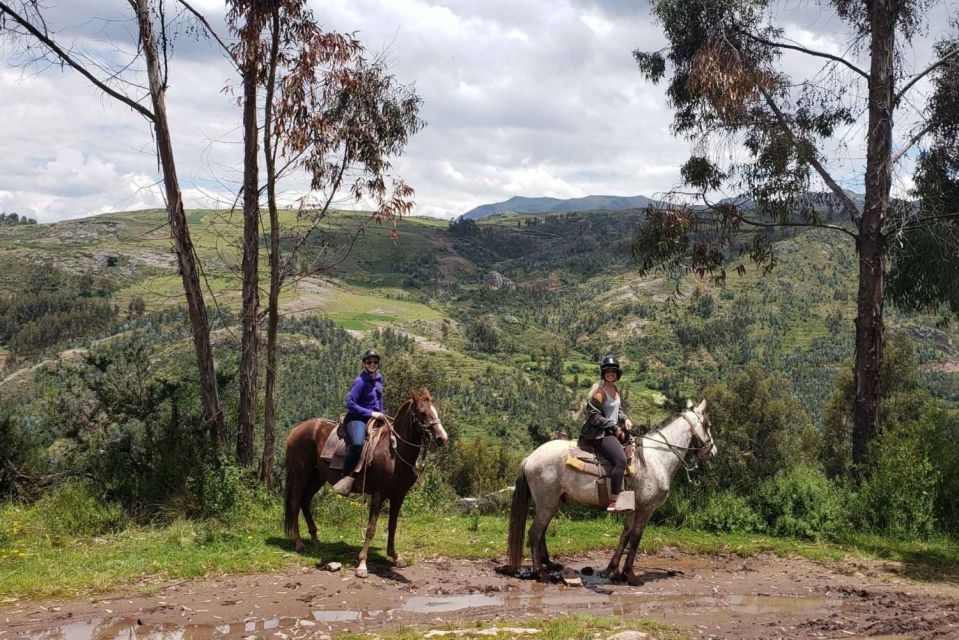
<point x="535" y="98"/>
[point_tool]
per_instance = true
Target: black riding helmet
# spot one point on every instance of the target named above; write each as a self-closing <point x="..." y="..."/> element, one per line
<point x="370" y="353"/>
<point x="610" y="363"/>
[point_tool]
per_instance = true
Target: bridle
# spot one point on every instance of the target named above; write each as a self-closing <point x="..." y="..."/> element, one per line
<point x="675" y="449"/>
<point x="427" y="428"/>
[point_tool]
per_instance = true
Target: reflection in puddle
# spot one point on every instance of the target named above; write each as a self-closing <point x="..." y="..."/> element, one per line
<point x="440" y="604"/>
<point x="542" y="602"/>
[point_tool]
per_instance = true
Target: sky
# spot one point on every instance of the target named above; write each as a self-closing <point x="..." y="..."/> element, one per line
<point x="521" y="97"/>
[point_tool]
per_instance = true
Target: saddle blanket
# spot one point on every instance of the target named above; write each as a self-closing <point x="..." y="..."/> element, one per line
<point x="593" y="464"/>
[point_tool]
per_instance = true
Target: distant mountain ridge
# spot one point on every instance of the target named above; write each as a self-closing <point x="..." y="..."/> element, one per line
<point x="523" y="204"/>
<point x="823" y="202"/>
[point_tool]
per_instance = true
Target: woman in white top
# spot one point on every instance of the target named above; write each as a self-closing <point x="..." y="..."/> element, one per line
<point x="604" y="414"/>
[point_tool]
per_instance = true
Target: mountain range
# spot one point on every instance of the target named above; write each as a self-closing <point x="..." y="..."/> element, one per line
<point x="522" y="204"/>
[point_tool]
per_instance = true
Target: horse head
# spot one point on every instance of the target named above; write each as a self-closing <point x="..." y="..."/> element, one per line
<point x="425" y="416"/>
<point x="702" y="434"/>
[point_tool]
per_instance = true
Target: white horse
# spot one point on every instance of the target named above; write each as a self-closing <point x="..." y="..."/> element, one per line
<point x="545" y="475"/>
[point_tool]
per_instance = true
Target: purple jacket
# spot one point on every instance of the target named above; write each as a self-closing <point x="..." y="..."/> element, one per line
<point x="366" y="396"/>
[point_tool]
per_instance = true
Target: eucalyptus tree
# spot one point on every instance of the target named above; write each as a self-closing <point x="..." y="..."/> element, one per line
<point x="335" y="118"/>
<point x="763" y="134"/>
<point x="247" y="19"/>
<point x="25" y="24"/>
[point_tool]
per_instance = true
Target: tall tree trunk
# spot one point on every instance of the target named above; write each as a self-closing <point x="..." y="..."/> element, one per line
<point x="182" y="244"/>
<point x="249" y="342"/>
<point x="273" y="306"/>
<point x="872" y="250"/>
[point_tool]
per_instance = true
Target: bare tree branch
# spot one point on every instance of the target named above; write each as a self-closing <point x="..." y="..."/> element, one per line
<point x="66" y="58"/>
<point x="913" y="140"/>
<point x="811" y="52"/>
<point x="213" y="34"/>
<point x="919" y="76"/>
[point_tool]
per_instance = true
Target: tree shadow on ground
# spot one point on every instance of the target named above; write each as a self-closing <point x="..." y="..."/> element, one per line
<point x="345" y="553"/>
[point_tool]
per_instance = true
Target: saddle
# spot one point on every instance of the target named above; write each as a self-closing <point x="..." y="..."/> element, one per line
<point x="583" y="458"/>
<point x="333" y="450"/>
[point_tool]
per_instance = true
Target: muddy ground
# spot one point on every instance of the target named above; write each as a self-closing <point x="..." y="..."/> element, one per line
<point x="710" y="596"/>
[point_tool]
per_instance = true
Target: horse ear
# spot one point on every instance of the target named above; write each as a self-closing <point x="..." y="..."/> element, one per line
<point x="413" y="395"/>
<point x="425" y="394"/>
<point x="689" y="403"/>
<point x="701" y="406"/>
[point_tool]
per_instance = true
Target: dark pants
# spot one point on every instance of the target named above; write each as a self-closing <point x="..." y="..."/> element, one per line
<point x="355" y="437"/>
<point x="612" y="450"/>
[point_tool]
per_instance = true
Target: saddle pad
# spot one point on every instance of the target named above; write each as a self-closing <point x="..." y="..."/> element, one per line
<point x="334" y="450"/>
<point x="594" y="465"/>
<point x="592" y="468"/>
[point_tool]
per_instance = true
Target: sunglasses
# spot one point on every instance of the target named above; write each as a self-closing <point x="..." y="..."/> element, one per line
<point x="371" y="361"/>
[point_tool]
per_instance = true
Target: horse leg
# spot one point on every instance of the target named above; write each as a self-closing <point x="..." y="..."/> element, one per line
<point x="635" y="535"/>
<point x="316" y="482"/>
<point x="612" y="569"/>
<point x="295" y="505"/>
<point x="545" y="510"/>
<point x="376" y="503"/>
<point x="396" y="503"/>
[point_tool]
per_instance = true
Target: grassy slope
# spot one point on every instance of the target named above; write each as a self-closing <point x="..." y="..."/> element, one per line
<point x="35" y="564"/>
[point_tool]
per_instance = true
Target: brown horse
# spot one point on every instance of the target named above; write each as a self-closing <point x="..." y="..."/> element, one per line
<point x="389" y="475"/>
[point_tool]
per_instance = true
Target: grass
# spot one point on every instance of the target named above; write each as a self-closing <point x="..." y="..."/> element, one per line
<point x="579" y="627"/>
<point x="35" y="563"/>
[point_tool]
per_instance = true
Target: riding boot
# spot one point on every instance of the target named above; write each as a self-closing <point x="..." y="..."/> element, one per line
<point x="343" y="486"/>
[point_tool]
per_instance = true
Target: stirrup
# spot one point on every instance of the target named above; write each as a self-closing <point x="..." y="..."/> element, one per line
<point x="343" y="486"/>
<point x="625" y="501"/>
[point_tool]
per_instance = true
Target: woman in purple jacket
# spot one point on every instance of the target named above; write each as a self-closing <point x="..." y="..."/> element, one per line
<point x="364" y="402"/>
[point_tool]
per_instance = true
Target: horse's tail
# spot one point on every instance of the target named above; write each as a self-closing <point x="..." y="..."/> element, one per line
<point x="517" y="519"/>
<point x="291" y="510"/>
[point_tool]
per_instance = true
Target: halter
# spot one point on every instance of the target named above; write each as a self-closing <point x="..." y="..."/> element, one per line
<point x="428" y="427"/>
<point x="674" y="448"/>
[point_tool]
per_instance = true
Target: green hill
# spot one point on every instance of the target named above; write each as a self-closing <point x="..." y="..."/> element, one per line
<point x="529" y="298"/>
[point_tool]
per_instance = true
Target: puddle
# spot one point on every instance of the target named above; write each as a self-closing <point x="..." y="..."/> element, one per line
<point x="443" y="604"/>
<point x="539" y="602"/>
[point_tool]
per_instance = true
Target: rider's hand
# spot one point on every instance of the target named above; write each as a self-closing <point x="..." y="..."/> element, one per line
<point x="376" y="415"/>
<point x="628" y="424"/>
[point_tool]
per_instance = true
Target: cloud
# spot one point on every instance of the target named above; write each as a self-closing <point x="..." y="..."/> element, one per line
<point x="538" y="98"/>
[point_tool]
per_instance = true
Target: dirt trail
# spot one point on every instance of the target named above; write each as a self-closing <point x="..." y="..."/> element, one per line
<point x="711" y="596"/>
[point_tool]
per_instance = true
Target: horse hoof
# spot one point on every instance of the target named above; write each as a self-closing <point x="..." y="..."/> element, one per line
<point x="298" y="548"/>
<point x="399" y="562"/>
<point x="362" y="573"/>
<point x="554" y="566"/>
<point x="614" y="576"/>
<point x="635" y="580"/>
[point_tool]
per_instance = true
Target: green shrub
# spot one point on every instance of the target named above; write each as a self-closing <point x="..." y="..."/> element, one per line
<point x="431" y="494"/>
<point x="73" y="509"/>
<point x="725" y="512"/>
<point x="220" y="490"/>
<point x="801" y="503"/>
<point x="898" y="497"/>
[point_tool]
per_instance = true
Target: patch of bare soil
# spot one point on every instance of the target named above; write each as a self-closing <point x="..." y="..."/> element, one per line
<point x="710" y="596"/>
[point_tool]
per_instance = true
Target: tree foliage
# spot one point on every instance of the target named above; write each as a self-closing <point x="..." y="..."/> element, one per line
<point x="925" y="251"/>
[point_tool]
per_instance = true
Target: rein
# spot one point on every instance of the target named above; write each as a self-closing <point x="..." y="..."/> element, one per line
<point x="675" y="448"/>
<point x="428" y="426"/>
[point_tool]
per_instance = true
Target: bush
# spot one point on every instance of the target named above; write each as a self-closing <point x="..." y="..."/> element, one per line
<point x="219" y="489"/>
<point x="478" y="469"/>
<point x="898" y="497"/>
<point x="73" y="509"/>
<point x="725" y="512"/>
<point x="801" y="503"/>
<point x="760" y="426"/>
<point x="431" y="494"/>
